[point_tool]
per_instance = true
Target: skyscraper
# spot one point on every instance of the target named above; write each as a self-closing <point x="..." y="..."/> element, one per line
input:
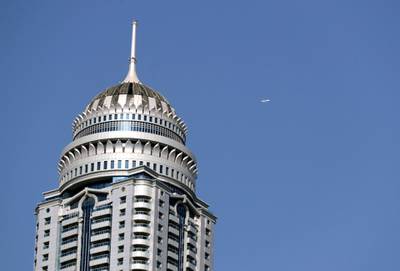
<point x="126" y="197"/>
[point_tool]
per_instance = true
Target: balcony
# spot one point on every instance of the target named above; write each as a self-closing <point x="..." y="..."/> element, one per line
<point x="139" y="265"/>
<point x="141" y="228"/>
<point x="191" y="241"/>
<point x="68" y="257"/>
<point x="172" y="242"/>
<point x="172" y="267"/>
<point x="141" y="254"/>
<point x="69" y="233"/>
<point x="172" y="254"/>
<point x="102" y="212"/>
<point x="101" y="224"/>
<point x="137" y="241"/>
<point x="99" y="261"/>
<point x="70" y="220"/>
<point x="141" y="217"/>
<point x="173" y="230"/>
<point x="69" y="245"/>
<point x="69" y="268"/>
<point x="102" y="248"/>
<point x="142" y="204"/>
<point x="102" y="236"/>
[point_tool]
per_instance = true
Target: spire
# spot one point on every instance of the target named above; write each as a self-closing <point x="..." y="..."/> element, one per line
<point x="131" y="77"/>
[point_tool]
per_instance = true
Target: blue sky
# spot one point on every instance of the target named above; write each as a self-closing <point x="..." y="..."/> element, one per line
<point x="307" y="182"/>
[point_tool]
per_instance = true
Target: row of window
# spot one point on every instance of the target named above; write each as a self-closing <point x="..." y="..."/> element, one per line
<point x="137" y="126"/>
<point x="129" y="116"/>
<point x="126" y="164"/>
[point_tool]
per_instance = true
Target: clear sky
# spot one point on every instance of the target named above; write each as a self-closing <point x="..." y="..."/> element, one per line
<point x="306" y="182"/>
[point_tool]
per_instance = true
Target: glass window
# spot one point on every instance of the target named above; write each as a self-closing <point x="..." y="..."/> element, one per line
<point x="151" y="119"/>
<point x="105" y="165"/>
<point x="154" y="166"/>
<point x="80" y="170"/>
<point x="104" y="118"/>
<point x="161" y="169"/>
<point x="112" y="164"/>
<point x="109" y="117"/>
<point x="121" y="116"/>
<point x="140" y="163"/>
<point x="133" y="116"/>
<point x="94" y="120"/>
<point x="99" y="119"/>
<point x="148" y="164"/>
<point x="139" y="117"/>
<point x="119" y="164"/>
<point x="133" y="163"/>
<point x="115" y="116"/>
<point x="126" y="163"/>
<point x="86" y="168"/>
<point x="98" y="165"/>
<point x="145" y="118"/>
<point x="92" y="167"/>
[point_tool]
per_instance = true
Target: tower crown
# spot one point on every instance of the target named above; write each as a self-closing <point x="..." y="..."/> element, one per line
<point x="128" y="125"/>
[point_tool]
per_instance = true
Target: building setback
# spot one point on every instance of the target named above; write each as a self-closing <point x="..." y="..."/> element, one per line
<point x="126" y="197"/>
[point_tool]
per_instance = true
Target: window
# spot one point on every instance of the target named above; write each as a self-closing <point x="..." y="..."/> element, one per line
<point x="154" y="166"/>
<point x="140" y="163"/>
<point x="148" y="164"/>
<point x="80" y="170"/>
<point x="133" y="163"/>
<point x="115" y="116"/>
<point x="159" y="239"/>
<point x="86" y="168"/>
<point x="151" y="119"/>
<point x="109" y="117"/>
<point x="76" y="172"/>
<point x="120" y="249"/>
<point x="160" y="215"/>
<point x="145" y="118"/>
<point x="45" y="245"/>
<point x="120" y="261"/>
<point x="161" y="203"/>
<point x="161" y="169"/>
<point x="98" y="165"/>
<point x="104" y="118"/>
<point x="119" y="163"/>
<point x="122" y="199"/>
<point x="160" y="227"/>
<point x="94" y="120"/>
<point x="47" y="220"/>
<point x="139" y="117"/>
<point x="121" y="236"/>
<point x="92" y="167"/>
<point x="122" y="212"/>
<point x="208" y="232"/>
<point x="121" y="224"/>
<point x="133" y="116"/>
<point x="46" y="233"/>
<point x="126" y="163"/>
<point x="159" y="252"/>
<point x="159" y="265"/>
<point x="121" y="116"/>
<point x="45" y="257"/>
<point x="166" y="170"/>
<point x="207" y="244"/>
<point x="207" y="256"/>
<point x="112" y="164"/>
<point x="105" y="165"/>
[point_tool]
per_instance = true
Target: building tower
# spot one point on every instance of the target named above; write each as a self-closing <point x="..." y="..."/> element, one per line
<point x="126" y="197"/>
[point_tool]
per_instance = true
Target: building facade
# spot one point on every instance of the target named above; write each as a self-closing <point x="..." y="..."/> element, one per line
<point x="126" y="197"/>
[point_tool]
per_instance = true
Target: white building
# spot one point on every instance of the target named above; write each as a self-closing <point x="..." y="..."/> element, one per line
<point x="126" y="198"/>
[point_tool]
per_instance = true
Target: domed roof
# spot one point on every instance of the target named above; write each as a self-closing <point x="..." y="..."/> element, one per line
<point x="112" y="96"/>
